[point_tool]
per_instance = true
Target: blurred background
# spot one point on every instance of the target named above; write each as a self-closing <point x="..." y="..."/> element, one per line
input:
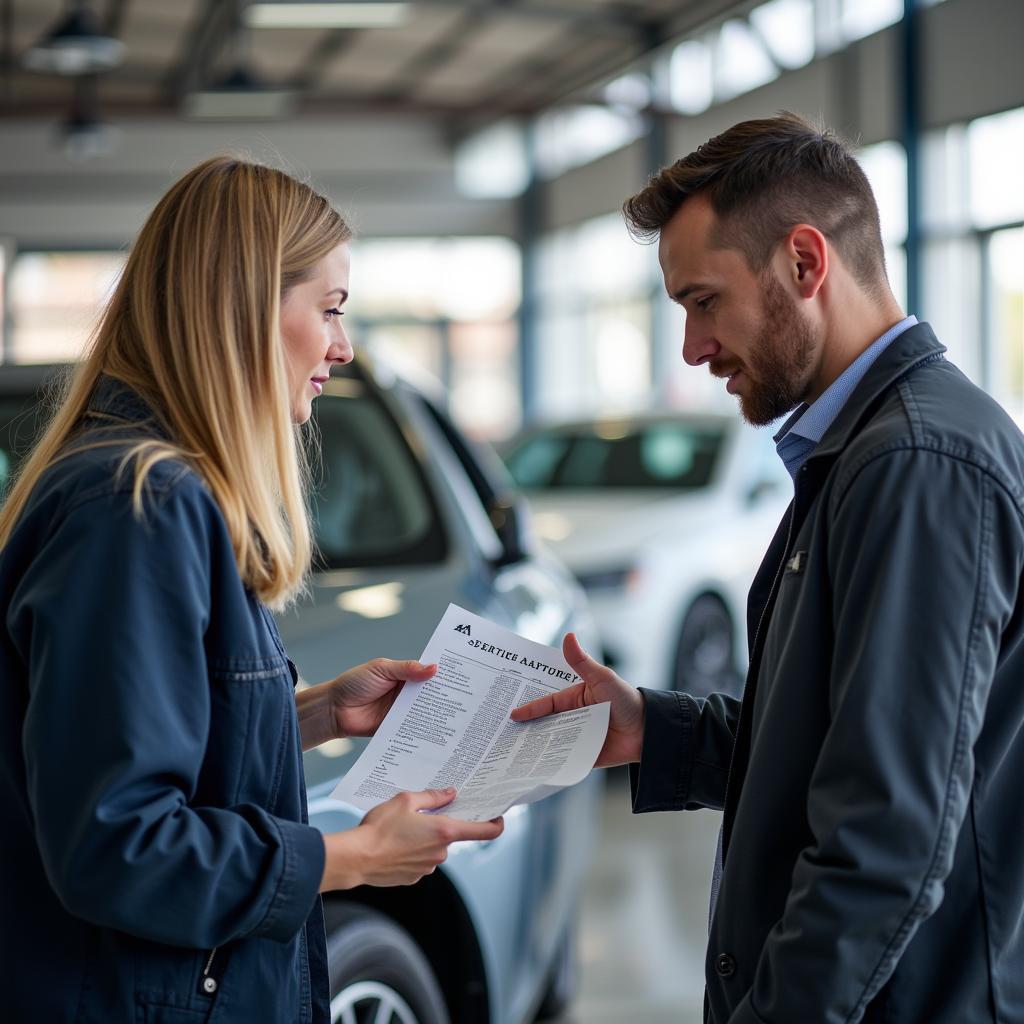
<point x="482" y="150"/>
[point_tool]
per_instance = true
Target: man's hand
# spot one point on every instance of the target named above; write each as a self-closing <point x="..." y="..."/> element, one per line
<point x="600" y="684"/>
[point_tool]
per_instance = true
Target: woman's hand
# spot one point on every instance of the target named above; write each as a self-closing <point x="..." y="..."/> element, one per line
<point x="600" y="684"/>
<point x="362" y="696"/>
<point x="354" y="703"/>
<point x="397" y="844"/>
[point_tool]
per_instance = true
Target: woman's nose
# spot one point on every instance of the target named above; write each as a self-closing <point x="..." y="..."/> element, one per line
<point x="341" y="350"/>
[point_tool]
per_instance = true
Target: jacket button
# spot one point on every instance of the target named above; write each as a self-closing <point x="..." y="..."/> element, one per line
<point x="209" y="985"/>
<point x="725" y="966"/>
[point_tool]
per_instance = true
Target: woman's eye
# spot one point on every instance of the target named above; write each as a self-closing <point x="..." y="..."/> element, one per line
<point x="333" y="312"/>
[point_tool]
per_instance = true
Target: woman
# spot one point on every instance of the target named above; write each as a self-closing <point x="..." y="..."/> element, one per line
<point x="157" y="861"/>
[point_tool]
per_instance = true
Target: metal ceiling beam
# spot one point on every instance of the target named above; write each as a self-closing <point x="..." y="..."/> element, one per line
<point x="113" y="23"/>
<point x="331" y="46"/>
<point x="612" y="19"/>
<point x="211" y="29"/>
<point x="434" y="56"/>
<point x="7" y="51"/>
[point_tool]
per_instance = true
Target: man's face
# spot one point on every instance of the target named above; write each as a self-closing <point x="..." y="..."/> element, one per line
<point x="743" y="324"/>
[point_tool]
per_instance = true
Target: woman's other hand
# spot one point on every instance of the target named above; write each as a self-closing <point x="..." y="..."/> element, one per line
<point x="397" y="844"/>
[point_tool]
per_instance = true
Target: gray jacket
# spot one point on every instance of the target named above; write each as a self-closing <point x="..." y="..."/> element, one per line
<point x="871" y="779"/>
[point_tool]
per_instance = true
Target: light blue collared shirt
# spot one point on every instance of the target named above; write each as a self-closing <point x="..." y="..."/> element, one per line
<point x="811" y="421"/>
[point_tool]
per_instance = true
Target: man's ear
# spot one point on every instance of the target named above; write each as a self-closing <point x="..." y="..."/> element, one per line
<point x="806" y="254"/>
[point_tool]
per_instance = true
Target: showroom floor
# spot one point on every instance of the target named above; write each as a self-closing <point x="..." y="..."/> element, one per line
<point x="644" y="924"/>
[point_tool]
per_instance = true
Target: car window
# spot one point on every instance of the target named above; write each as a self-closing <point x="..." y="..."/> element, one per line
<point x="371" y="502"/>
<point x="533" y="463"/>
<point x="665" y="454"/>
<point x="21" y="421"/>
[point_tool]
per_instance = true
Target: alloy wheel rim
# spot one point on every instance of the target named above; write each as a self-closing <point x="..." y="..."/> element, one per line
<point x="370" y="1002"/>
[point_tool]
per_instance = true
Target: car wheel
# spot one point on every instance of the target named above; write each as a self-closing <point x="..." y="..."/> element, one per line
<point x="562" y="982"/>
<point x="378" y="973"/>
<point x="704" y="655"/>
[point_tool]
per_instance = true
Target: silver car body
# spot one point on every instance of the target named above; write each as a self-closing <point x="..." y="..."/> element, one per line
<point x="645" y="555"/>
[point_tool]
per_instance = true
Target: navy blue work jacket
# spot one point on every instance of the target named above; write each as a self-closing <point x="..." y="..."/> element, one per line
<point x="157" y="864"/>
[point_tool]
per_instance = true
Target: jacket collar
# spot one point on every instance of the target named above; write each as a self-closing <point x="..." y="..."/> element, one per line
<point x="914" y="346"/>
<point x="112" y="398"/>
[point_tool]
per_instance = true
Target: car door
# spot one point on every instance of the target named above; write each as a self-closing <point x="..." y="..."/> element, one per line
<point x="538" y="598"/>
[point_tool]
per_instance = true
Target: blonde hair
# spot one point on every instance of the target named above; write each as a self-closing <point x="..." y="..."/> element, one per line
<point x="193" y="327"/>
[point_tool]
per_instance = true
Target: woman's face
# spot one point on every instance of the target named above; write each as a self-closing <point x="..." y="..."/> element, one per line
<point x="312" y="332"/>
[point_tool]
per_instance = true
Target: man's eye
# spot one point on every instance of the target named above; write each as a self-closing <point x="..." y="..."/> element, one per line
<point x="705" y="304"/>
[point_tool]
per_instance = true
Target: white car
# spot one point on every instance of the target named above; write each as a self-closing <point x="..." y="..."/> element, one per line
<point x="664" y="519"/>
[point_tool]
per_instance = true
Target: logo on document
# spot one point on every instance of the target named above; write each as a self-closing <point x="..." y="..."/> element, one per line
<point x="464" y="629"/>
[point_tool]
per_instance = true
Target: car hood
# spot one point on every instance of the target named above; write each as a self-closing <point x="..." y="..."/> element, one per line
<point x="593" y="530"/>
<point x="354" y="615"/>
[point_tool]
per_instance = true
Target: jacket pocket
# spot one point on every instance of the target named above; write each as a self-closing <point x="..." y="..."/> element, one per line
<point x="252" y="723"/>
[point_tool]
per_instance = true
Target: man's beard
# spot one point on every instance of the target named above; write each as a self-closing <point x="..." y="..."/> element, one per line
<point x="779" y="360"/>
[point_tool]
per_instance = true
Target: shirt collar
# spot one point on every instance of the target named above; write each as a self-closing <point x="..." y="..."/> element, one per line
<point x="812" y="421"/>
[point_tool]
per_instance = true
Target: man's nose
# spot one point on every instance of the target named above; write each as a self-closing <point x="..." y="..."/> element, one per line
<point x="698" y="346"/>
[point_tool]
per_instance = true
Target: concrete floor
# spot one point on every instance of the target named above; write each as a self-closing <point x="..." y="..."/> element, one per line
<point x="643" y="931"/>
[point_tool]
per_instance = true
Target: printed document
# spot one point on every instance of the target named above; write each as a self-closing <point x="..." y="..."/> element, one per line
<point x="454" y="729"/>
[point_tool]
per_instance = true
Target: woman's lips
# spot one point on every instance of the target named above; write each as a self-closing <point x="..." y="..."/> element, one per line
<point x="317" y="384"/>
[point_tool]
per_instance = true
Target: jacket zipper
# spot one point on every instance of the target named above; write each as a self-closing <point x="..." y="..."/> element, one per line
<point x="208" y="983"/>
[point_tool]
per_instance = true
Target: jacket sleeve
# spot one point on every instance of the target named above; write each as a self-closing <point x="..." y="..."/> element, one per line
<point x="925" y="556"/>
<point x="112" y="614"/>
<point x="686" y="751"/>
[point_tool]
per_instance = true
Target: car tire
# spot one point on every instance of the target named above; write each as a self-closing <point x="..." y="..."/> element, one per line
<point x="704" y="653"/>
<point x="563" y="980"/>
<point x="374" y="963"/>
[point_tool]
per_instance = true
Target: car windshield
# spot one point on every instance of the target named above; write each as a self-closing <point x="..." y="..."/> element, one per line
<point x="668" y="454"/>
<point x="371" y="504"/>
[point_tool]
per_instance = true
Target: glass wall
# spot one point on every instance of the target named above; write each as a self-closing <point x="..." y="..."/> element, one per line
<point x="594" y="286"/>
<point x="55" y="299"/>
<point x="973" y="222"/>
<point x="444" y="305"/>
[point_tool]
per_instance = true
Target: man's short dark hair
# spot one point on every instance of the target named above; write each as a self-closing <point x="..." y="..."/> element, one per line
<point x="762" y="177"/>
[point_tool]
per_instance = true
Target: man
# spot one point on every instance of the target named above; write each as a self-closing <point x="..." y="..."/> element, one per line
<point x="871" y="862"/>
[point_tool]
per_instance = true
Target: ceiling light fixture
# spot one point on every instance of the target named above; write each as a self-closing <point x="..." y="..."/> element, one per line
<point x="75" y="46"/>
<point x="239" y="96"/>
<point x="364" y="14"/>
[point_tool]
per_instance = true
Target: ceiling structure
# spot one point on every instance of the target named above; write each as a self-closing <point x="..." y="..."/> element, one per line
<point x="466" y="61"/>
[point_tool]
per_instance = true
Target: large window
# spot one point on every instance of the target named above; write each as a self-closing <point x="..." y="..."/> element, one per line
<point x="1005" y="306"/>
<point x="973" y="218"/>
<point x="885" y="165"/>
<point x="594" y="286"/>
<point x="446" y="305"/>
<point x="55" y="300"/>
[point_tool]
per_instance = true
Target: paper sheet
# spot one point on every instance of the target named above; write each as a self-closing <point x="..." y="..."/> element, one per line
<point x="454" y="729"/>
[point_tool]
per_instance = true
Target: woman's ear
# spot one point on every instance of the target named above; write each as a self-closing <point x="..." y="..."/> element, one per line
<point x="806" y="254"/>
